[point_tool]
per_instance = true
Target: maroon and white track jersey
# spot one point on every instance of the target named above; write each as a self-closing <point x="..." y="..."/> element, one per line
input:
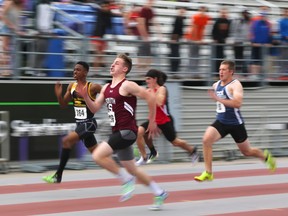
<point x="121" y="109"/>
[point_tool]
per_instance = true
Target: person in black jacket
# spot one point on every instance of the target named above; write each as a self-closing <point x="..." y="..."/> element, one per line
<point x="220" y="32"/>
<point x="176" y="35"/>
<point x="103" y="22"/>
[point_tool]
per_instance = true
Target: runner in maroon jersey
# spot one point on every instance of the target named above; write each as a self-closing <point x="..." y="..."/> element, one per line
<point x="120" y="97"/>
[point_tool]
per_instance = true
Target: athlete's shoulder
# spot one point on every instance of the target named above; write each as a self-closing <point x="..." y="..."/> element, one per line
<point x="71" y="86"/>
<point x="236" y="83"/>
<point x="95" y="87"/>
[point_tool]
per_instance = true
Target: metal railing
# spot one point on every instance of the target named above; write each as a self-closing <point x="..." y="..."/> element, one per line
<point x="69" y="49"/>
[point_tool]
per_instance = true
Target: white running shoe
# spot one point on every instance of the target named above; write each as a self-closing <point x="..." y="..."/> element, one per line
<point x="141" y="161"/>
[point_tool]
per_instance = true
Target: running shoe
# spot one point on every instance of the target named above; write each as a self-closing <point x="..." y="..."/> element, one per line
<point x="270" y="160"/>
<point x="141" y="161"/>
<point x="127" y="190"/>
<point x="205" y="176"/>
<point x="52" y="179"/>
<point x="152" y="157"/>
<point x="194" y="156"/>
<point x="158" y="201"/>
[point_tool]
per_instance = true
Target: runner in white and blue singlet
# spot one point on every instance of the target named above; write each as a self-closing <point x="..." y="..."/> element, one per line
<point x="228" y="95"/>
<point x="225" y="114"/>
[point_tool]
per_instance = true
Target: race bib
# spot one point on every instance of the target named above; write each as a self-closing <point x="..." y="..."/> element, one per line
<point x="220" y="107"/>
<point x="80" y="112"/>
<point x="111" y="116"/>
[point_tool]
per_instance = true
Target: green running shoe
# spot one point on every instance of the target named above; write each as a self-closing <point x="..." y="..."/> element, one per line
<point x="127" y="190"/>
<point x="270" y="161"/>
<point x="158" y="201"/>
<point x="205" y="176"/>
<point x="52" y="179"/>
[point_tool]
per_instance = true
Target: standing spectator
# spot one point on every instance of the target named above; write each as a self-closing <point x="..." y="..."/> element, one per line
<point x="262" y="10"/>
<point x="176" y="35"/>
<point x="274" y="52"/>
<point x="283" y="30"/>
<point x="195" y="34"/>
<point x="241" y="34"/>
<point x="131" y="20"/>
<point x="103" y="22"/>
<point x="220" y="32"/>
<point x="11" y="13"/>
<point x="44" y="26"/>
<point x="145" y="21"/>
<point x="260" y="35"/>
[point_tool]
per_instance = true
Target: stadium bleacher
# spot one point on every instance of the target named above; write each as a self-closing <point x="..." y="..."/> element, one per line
<point x="81" y="18"/>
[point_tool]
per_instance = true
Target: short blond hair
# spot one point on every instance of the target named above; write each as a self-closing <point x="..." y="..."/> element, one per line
<point x="127" y="61"/>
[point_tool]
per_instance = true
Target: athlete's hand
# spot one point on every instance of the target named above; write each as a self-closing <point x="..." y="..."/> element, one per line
<point x="58" y="89"/>
<point x="82" y="90"/>
<point x="152" y="130"/>
<point x="212" y="94"/>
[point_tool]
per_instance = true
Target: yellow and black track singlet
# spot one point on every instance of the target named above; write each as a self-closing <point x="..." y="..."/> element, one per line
<point x="82" y="112"/>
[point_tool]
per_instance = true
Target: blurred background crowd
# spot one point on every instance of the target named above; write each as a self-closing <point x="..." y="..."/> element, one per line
<point x="186" y="39"/>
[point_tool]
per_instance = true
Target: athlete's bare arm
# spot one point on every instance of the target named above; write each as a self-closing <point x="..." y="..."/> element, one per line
<point x="63" y="101"/>
<point x="132" y="88"/>
<point x="236" y="90"/>
<point x="96" y="105"/>
<point x="95" y="89"/>
<point x="161" y="96"/>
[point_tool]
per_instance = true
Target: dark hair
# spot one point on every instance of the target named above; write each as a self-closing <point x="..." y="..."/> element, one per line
<point x="127" y="61"/>
<point x="84" y="64"/>
<point x="161" y="76"/>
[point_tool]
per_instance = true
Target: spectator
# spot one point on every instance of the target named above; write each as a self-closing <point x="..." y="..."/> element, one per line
<point x="241" y="34"/>
<point x="220" y="32"/>
<point x="260" y="35"/>
<point x="145" y="21"/>
<point x="131" y="20"/>
<point x="283" y="30"/>
<point x="195" y="34"/>
<point x="274" y="52"/>
<point x="262" y="10"/>
<point x="116" y="8"/>
<point x="11" y="13"/>
<point x="103" y="22"/>
<point x="44" y="26"/>
<point x="176" y="35"/>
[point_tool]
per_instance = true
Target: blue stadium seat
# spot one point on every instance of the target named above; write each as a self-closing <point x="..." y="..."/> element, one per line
<point x="74" y="8"/>
<point x="89" y="21"/>
<point x="117" y="26"/>
<point x="87" y="15"/>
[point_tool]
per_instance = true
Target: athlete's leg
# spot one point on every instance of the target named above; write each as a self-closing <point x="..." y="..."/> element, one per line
<point x="67" y="143"/>
<point x="265" y="156"/>
<point x="141" y="141"/>
<point x="142" y="176"/>
<point x="149" y="143"/>
<point x="182" y="144"/>
<point x="249" y="151"/>
<point x="102" y="155"/>
<point x="211" y="135"/>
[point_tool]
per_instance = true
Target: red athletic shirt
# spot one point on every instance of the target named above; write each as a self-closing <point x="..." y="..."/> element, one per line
<point x="162" y="112"/>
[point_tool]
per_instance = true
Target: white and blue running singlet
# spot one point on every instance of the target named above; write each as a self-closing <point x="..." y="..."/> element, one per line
<point x="227" y="115"/>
